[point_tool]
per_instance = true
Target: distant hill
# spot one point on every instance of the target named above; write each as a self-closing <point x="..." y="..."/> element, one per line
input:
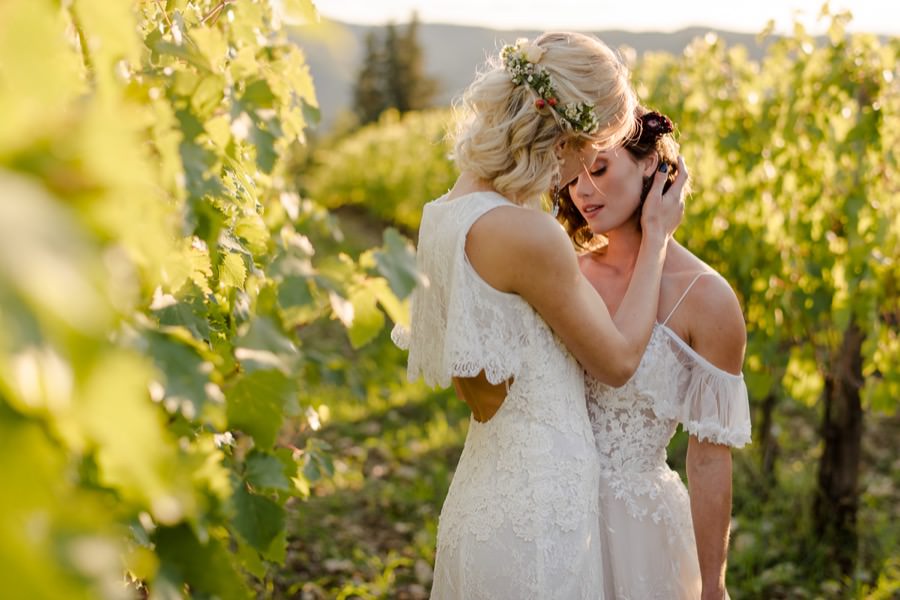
<point x="334" y="52"/>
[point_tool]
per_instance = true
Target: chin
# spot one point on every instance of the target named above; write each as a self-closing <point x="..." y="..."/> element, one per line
<point x="601" y="226"/>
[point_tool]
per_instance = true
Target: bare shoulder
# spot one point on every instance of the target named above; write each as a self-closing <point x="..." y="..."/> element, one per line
<point x="715" y="320"/>
<point x="510" y="244"/>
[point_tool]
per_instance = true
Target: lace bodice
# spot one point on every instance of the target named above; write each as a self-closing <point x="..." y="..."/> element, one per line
<point x="520" y="519"/>
<point x="633" y="424"/>
<point x="645" y="507"/>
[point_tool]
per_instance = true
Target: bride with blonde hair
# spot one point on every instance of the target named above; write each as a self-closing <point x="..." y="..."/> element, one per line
<point x="510" y="322"/>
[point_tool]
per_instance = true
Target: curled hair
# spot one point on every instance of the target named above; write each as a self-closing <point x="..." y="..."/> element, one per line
<point x="641" y="144"/>
<point x="503" y="138"/>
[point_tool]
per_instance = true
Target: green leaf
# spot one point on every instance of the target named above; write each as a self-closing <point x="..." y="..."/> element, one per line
<point x="397" y="263"/>
<point x="264" y="143"/>
<point x="256" y="404"/>
<point x="232" y="273"/>
<point x="208" y="95"/>
<point x="300" y="12"/>
<point x="398" y="311"/>
<point x="258" y="95"/>
<point x="208" y="568"/>
<point x="258" y="519"/>
<point x="367" y="319"/>
<point x="189" y="313"/>
<point x="266" y="471"/>
<point x="183" y="370"/>
<point x="296" y="300"/>
<point x="185" y="53"/>
<point x="250" y="227"/>
<point x="262" y="345"/>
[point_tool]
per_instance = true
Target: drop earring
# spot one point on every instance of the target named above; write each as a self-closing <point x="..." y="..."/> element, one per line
<point x="554" y="199"/>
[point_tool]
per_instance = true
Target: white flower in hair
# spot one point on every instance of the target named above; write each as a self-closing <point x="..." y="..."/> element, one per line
<point x="520" y="61"/>
<point x="532" y="52"/>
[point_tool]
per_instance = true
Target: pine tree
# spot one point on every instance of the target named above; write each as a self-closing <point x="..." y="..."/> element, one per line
<point x="415" y="88"/>
<point x="369" y="99"/>
<point x="393" y="75"/>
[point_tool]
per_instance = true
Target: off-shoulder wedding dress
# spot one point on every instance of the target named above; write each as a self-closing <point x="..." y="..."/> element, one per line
<point x="646" y="527"/>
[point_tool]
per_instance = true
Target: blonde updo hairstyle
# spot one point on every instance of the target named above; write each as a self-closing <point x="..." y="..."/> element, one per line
<point x="504" y="139"/>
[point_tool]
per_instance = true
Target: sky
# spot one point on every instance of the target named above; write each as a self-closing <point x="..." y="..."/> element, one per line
<point x="876" y="16"/>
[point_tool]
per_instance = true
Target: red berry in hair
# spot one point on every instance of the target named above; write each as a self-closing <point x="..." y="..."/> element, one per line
<point x="539" y="103"/>
<point x="552" y="101"/>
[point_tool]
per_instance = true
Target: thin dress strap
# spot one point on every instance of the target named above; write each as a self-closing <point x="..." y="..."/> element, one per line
<point x="684" y="295"/>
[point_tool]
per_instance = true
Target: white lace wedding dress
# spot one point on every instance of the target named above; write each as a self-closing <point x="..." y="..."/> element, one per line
<point x="647" y="535"/>
<point x="520" y="519"/>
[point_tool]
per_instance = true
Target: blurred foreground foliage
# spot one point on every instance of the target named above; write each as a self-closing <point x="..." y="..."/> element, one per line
<point x="157" y="273"/>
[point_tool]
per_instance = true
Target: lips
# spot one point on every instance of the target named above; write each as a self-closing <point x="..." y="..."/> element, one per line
<point x="590" y="209"/>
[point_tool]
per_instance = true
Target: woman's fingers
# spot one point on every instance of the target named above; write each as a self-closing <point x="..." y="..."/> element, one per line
<point x="666" y="209"/>
<point x="680" y="180"/>
<point x="659" y="180"/>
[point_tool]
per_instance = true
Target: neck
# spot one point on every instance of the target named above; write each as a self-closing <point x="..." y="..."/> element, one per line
<point x="468" y="182"/>
<point x="623" y="248"/>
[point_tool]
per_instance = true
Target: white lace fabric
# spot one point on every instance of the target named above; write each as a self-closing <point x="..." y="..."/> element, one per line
<point x="521" y="517"/>
<point x="646" y="527"/>
<point x="460" y="325"/>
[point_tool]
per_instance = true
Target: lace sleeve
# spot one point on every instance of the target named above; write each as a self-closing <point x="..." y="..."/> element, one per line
<point x="400" y="336"/>
<point x="460" y="325"/>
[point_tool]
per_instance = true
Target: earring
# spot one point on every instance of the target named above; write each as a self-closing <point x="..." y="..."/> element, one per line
<point x="554" y="208"/>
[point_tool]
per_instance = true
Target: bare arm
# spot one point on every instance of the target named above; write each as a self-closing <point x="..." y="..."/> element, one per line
<point x="719" y="335"/>
<point x="642" y="294"/>
<point x="709" y="477"/>
<point x="526" y="252"/>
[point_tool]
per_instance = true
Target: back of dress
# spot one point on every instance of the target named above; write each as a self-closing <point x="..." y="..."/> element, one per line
<point x="520" y="519"/>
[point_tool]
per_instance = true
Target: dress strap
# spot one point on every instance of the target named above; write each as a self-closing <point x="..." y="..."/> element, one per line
<point x="684" y="295"/>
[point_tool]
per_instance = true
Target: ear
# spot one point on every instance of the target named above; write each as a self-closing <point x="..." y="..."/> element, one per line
<point x="649" y="164"/>
<point x="559" y="148"/>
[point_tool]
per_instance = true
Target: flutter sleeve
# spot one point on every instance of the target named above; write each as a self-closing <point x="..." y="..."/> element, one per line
<point x="710" y="403"/>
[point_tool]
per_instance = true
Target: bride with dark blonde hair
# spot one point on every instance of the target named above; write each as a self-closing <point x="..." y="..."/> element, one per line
<point x="508" y="319"/>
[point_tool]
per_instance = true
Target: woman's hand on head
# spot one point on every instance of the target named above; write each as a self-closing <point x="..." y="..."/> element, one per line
<point x="662" y="212"/>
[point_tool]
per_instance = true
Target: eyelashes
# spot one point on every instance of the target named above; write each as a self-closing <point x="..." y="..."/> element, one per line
<point x="599" y="172"/>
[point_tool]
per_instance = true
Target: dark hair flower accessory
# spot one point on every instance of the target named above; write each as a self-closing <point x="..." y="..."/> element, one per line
<point x="654" y="125"/>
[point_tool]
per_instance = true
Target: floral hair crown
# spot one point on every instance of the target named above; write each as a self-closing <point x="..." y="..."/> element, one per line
<point x="654" y="125"/>
<point x="521" y="61"/>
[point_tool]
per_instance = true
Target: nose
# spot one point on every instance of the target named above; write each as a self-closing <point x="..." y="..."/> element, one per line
<point x="583" y="187"/>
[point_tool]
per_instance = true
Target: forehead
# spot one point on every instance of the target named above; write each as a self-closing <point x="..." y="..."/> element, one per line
<point x="610" y="154"/>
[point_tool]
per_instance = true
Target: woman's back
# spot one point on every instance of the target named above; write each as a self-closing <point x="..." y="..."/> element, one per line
<point x="520" y="519"/>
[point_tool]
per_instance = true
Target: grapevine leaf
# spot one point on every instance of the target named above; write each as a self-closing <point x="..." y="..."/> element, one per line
<point x="258" y="519"/>
<point x="256" y="403"/>
<point x="397" y="263"/>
